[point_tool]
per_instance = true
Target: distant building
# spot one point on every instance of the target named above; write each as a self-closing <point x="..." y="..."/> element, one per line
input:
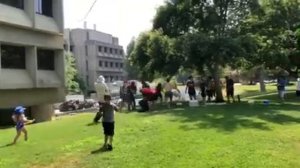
<point x="32" y="57"/>
<point x="96" y="53"/>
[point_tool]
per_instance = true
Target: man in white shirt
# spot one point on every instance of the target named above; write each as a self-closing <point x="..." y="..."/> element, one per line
<point x="101" y="90"/>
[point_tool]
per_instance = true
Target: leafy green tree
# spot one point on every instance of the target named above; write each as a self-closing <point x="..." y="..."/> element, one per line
<point x="208" y="32"/>
<point x="131" y="70"/>
<point x="155" y="53"/>
<point x="71" y="73"/>
<point x="274" y="30"/>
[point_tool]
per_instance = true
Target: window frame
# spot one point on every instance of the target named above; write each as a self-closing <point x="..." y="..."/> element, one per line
<point x="23" y="55"/>
<point x="52" y="66"/>
<point x="18" y="7"/>
<point x="40" y="10"/>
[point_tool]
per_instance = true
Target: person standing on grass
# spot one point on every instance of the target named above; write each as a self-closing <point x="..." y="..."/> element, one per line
<point x="124" y="95"/>
<point x="131" y="90"/>
<point x="209" y="89"/>
<point x="108" y="122"/>
<point x="168" y="91"/>
<point x="281" y="83"/>
<point x="190" y="88"/>
<point x="158" y="92"/>
<point x="229" y="89"/>
<point x="20" y="120"/>
<point x="203" y="90"/>
<point x="101" y="90"/>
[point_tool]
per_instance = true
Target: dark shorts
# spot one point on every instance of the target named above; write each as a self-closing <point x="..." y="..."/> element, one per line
<point x="19" y="126"/>
<point x="209" y="93"/>
<point x="169" y="94"/>
<point x="230" y="92"/>
<point x="109" y="128"/>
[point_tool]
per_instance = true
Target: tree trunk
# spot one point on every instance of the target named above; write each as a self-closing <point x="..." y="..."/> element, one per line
<point x="219" y="94"/>
<point x="261" y="79"/>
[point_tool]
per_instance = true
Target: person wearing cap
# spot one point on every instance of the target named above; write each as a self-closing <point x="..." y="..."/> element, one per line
<point x="101" y="90"/>
<point x="20" y="120"/>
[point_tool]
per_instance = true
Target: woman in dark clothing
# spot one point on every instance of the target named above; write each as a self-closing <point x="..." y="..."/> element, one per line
<point x="131" y="90"/>
<point x="158" y="92"/>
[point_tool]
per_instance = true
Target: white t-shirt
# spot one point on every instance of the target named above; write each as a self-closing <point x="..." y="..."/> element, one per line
<point x="101" y="90"/>
<point x="168" y="87"/>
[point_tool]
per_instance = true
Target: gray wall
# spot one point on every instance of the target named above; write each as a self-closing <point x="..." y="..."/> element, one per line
<point x="85" y="43"/>
<point x="32" y="87"/>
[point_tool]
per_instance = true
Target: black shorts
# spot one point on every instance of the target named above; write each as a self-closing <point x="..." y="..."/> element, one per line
<point x="230" y="92"/>
<point x="109" y="128"/>
<point x="169" y="94"/>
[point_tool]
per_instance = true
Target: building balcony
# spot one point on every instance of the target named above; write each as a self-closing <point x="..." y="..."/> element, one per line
<point x="26" y="17"/>
<point x="14" y="16"/>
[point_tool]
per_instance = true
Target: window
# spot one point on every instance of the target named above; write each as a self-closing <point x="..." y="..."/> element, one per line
<point x="71" y="48"/>
<point x="44" y="7"/>
<point x="106" y="64"/>
<point x="121" y="65"/>
<point x="86" y="51"/>
<point x="45" y="59"/>
<point x="116" y="51"/>
<point x="100" y="48"/>
<point x="100" y="63"/>
<point x="121" y="52"/>
<point x="111" y="64"/>
<point x="105" y="49"/>
<point x="111" y="50"/>
<point x="13" y="3"/>
<point x="87" y="65"/>
<point x="13" y="57"/>
<point x="111" y="78"/>
<point x="117" y="65"/>
<point x="117" y="78"/>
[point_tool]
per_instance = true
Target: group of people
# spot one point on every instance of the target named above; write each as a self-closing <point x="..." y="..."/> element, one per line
<point x="208" y="88"/>
<point x="127" y="92"/>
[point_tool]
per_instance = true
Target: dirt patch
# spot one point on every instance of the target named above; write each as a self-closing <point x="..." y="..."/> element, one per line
<point x="64" y="161"/>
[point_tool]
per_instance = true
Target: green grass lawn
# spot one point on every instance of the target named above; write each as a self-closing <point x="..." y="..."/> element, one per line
<point x="252" y="90"/>
<point x="235" y="135"/>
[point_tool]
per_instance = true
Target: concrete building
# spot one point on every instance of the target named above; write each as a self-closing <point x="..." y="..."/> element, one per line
<point x="32" y="57"/>
<point x="96" y="53"/>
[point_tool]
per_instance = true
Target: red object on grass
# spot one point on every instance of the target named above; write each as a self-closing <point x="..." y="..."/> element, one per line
<point x="148" y="91"/>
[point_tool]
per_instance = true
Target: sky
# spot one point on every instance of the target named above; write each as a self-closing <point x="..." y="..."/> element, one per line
<point x="124" y="19"/>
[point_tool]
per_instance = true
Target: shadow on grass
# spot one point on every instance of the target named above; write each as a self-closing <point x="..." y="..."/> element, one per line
<point x="7" y="145"/>
<point x="231" y="117"/>
<point x="98" y="151"/>
<point x="6" y="127"/>
<point x="93" y="124"/>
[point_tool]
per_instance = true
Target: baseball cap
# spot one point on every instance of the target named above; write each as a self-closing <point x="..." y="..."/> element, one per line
<point x="20" y="110"/>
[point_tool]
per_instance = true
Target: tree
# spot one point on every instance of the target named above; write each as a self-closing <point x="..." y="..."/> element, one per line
<point x="208" y="31"/>
<point x="71" y="73"/>
<point x="155" y="53"/>
<point x="274" y="29"/>
<point x="131" y="70"/>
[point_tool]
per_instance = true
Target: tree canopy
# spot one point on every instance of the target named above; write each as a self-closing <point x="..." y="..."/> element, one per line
<point x="214" y="34"/>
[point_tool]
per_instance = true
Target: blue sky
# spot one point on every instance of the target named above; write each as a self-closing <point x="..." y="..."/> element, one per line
<point x="122" y="18"/>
